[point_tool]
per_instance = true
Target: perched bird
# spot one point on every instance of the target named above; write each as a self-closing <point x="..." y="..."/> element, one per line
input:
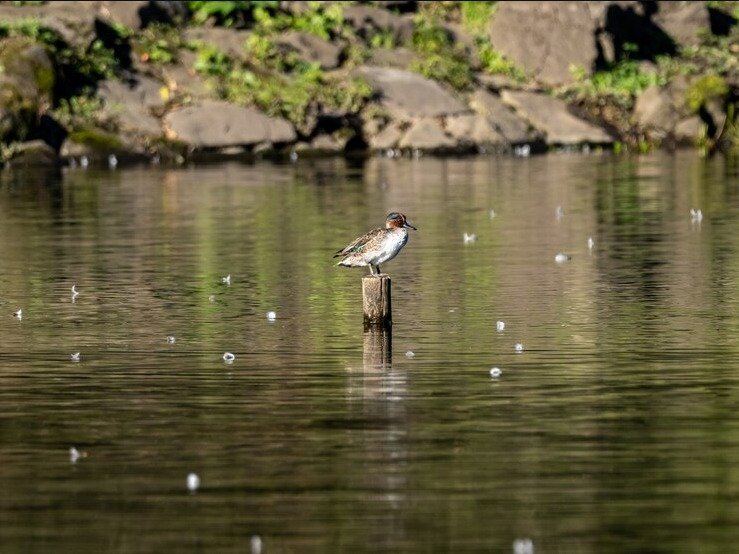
<point x="378" y="245"/>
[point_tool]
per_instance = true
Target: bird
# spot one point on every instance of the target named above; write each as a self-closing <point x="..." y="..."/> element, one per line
<point x="378" y="245"/>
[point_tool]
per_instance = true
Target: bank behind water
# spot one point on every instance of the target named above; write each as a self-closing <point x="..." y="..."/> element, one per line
<point x="116" y="82"/>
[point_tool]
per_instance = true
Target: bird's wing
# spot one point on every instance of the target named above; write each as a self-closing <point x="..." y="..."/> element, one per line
<point x="358" y="244"/>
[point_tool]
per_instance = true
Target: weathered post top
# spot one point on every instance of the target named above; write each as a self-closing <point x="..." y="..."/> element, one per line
<point x="376" y="300"/>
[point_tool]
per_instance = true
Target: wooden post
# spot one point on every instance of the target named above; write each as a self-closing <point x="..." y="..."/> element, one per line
<point x="378" y="348"/>
<point x="376" y="300"/>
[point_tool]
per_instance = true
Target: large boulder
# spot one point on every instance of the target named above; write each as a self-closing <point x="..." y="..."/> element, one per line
<point x="546" y="38"/>
<point x="26" y="86"/>
<point x="408" y="95"/>
<point x="551" y="116"/>
<point x="218" y="124"/>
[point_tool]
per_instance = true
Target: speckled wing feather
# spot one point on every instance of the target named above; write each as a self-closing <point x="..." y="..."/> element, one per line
<point x="357" y="245"/>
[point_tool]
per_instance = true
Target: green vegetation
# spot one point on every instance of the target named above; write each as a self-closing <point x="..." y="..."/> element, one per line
<point x="705" y="89"/>
<point x="229" y="13"/>
<point x="278" y="82"/>
<point x="622" y="82"/>
<point x="88" y="64"/>
<point x="440" y="58"/>
<point x="158" y="44"/>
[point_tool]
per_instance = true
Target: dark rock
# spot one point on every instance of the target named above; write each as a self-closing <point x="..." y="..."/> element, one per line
<point x="427" y="134"/>
<point x="683" y="21"/>
<point x="35" y="153"/>
<point x="26" y="85"/>
<point x="228" y="41"/>
<point x="368" y="21"/>
<point x="50" y="131"/>
<point x="216" y="124"/>
<point x="506" y="123"/>
<point x="551" y="116"/>
<point x="628" y="24"/>
<point x="311" y="48"/>
<point x="408" y="95"/>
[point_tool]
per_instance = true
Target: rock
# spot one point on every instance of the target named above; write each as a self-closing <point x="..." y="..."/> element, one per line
<point x="388" y="137"/>
<point x="73" y="21"/>
<point x="182" y="79"/>
<point x="324" y="144"/>
<point x="97" y="145"/>
<point x="217" y="124"/>
<point x="546" y="38"/>
<point x="505" y="121"/>
<point x="35" y="153"/>
<point x="132" y="102"/>
<point x="368" y="21"/>
<point x="498" y="82"/>
<point x="474" y="130"/>
<point x="654" y="110"/>
<point x="551" y="116"/>
<point x="428" y="135"/>
<point x="141" y="90"/>
<point x="229" y="41"/>
<point x="26" y="85"/>
<point x="683" y="21"/>
<point x="408" y="95"/>
<point x="140" y="14"/>
<point x="127" y="14"/>
<point x="311" y="48"/>
<point x="400" y="58"/>
<point x="689" y="130"/>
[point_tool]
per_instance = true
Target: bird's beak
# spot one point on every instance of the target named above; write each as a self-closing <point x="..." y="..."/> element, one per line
<point x="409" y="226"/>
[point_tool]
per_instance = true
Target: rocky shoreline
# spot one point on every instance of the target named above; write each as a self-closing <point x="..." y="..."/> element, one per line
<point x="93" y="82"/>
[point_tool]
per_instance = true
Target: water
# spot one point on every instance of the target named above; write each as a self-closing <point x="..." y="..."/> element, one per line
<point x="615" y="430"/>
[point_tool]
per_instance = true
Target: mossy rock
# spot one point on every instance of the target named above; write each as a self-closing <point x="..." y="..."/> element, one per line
<point x="97" y="140"/>
<point x="26" y="83"/>
<point x="97" y="145"/>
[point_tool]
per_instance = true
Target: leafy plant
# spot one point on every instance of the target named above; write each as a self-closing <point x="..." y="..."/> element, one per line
<point x="476" y="16"/>
<point x="494" y="62"/>
<point x="229" y="13"/>
<point x="704" y="89"/>
<point x="158" y="44"/>
<point x="440" y="59"/>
